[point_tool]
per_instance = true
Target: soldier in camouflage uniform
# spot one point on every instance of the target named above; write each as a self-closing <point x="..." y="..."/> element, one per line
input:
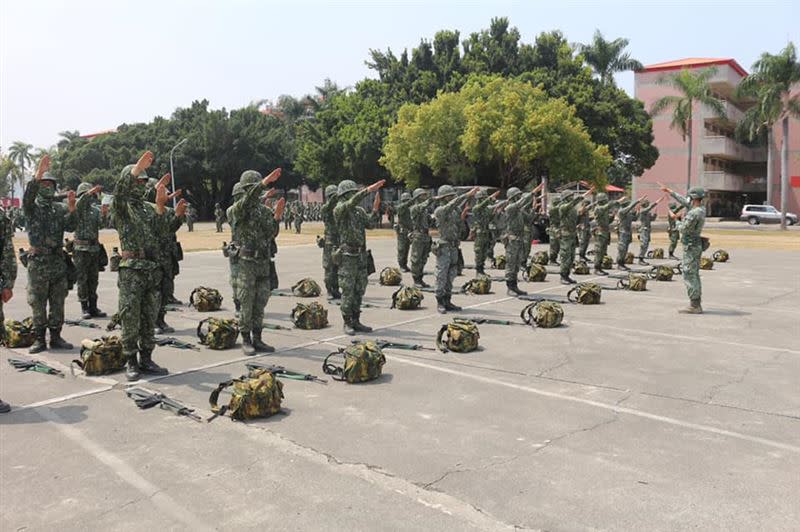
<point x="191" y="217"/>
<point x="672" y="229"/>
<point x="690" y="228"/>
<point x="233" y="254"/>
<point x="389" y="211"/>
<point x="568" y="213"/>
<point x="331" y="242"/>
<point x="352" y="222"/>
<point x="625" y="217"/>
<point x="403" y="229"/>
<point x="646" y="217"/>
<point x="8" y="276"/>
<point x="219" y="216"/>
<point x="482" y="214"/>
<point x="420" y="235"/>
<point x="602" y="216"/>
<point x="553" y="230"/>
<point x="89" y="219"/>
<point x="255" y="226"/>
<point x="46" y="221"/>
<point x="513" y="211"/>
<point x="297" y="216"/>
<point x="138" y="223"/>
<point x="450" y="220"/>
<point x="584" y="230"/>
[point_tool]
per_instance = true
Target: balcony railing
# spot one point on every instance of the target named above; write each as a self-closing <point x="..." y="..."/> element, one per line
<point x="726" y="148"/>
<point x="732" y="113"/>
<point x="726" y="181"/>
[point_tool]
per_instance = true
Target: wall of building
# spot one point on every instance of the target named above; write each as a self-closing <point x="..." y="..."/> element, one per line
<point x="794" y="163"/>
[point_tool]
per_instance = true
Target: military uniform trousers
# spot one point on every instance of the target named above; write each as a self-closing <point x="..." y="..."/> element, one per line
<point x="601" y="241"/>
<point x="47" y="290"/>
<point x="352" y="282"/>
<point x="252" y="291"/>
<point x="483" y="241"/>
<point x="446" y="267"/>
<point x="234" y="269"/>
<point x="420" y="249"/>
<point x="584" y="236"/>
<point x="555" y="244"/>
<point x="139" y="301"/>
<point x="167" y="285"/>
<point x="331" y="270"/>
<point x="674" y="236"/>
<point x="526" y="247"/>
<point x="622" y="246"/>
<point x="88" y="271"/>
<point x="691" y="270"/>
<point x="403" y="245"/>
<point x="514" y="251"/>
<point x="567" y="253"/>
<point x="644" y="241"/>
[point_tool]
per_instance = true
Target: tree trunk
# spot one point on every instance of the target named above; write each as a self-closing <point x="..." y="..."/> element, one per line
<point x="784" y="170"/>
<point x="689" y="162"/>
<point x="770" y="172"/>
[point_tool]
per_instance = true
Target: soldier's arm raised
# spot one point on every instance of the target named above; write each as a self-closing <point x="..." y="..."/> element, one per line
<point x="279" y="208"/>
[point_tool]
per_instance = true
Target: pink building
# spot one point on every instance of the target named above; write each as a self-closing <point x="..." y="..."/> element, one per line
<point x="731" y="172"/>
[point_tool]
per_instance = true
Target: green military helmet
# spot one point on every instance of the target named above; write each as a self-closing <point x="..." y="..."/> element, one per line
<point x="331" y="190"/>
<point x="602" y="197"/>
<point x="481" y="194"/>
<point x="345" y="187"/>
<point x="83" y="188"/>
<point x="126" y="172"/>
<point x="250" y="178"/>
<point x="697" y="193"/>
<point x="405" y="196"/>
<point x="645" y="202"/>
<point x="512" y="193"/>
<point x="152" y="182"/>
<point x="238" y="190"/>
<point x="419" y="192"/>
<point x="446" y="190"/>
<point x="49" y="177"/>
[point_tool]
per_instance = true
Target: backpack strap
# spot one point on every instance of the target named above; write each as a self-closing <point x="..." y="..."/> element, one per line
<point x="440" y="342"/>
<point x="394" y="297"/>
<point x="212" y="400"/>
<point x="623" y="284"/>
<point x="295" y="314"/>
<point x="329" y="368"/>
<point x="573" y="290"/>
<point x="527" y="313"/>
<point x="191" y="296"/>
<point x="653" y="273"/>
<point x="467" y="287"/>
<point x="200" y="327"/>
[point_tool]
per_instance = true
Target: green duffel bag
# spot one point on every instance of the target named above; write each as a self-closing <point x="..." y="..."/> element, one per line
<point x="205" y="299"/>
<point x="312" y="316"/>
<point x="636" y="282"/>
<point x="390" y="277"/>
<point x="407" y="298"/>
<point x="255" y="395"/>
<point x="706" y="263"/>
<point x="19" y="333"/>
<point x="101" y="356"/>
<point x="629" y="258"/>
<point x="607" y="263"/>
<point x="656" y="253"/>
<point x="307" y="287"/>
<point x="536" y="273"/>
<point x="480" y="285"/>
<point x="661" y="273"/>
<point x="585" y="294"/>
<point x="541" y="257"/>
<point x="218" y="333"/>
<point x="499" y="262"/>
<point x="363" y="362"/>
<point x="580" y="268"/>
<point x="544" y="314"/>
<point x="720" y="255"/>
<point x="459" y="335"/>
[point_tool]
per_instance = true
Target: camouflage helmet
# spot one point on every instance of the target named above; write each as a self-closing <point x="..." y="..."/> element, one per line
<point x="331" y="190"/>
<point x="697" y="193"/>
<point x="512" y="193"/>
<point x="481" y="194"/>
<point x="250" y="178"/>
<point x="405" y="196"/>
<point x="49" y="177"/>
<point x="446" y="190"/>
<point x="83" y="188"/>
<point x="345" y="187"/>
<point x="238" y="190"/>
<point x="126" y="172"/>
<point x="152" y="182"/>
<point x="602" y="197"/>
<point x="419" y="192"/>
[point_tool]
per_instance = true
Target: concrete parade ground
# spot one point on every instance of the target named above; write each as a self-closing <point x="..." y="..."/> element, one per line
<point x="630" y="416"/>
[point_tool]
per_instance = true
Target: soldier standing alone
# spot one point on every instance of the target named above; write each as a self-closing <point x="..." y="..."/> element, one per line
<point x="89" y="219"/>
<point x="449" y="220"/>
<point x="219" y="216"/>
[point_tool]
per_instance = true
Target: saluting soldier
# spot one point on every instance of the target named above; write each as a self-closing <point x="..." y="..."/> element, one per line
<point x="450" y="220"/>
<point x="672" y="229"/>
<point x="420" y="236"/>
<point x="403" y="228"/>
<point x="331" y="242"/>
<point x="646" y="217"/>
<point x="89" y="219"/>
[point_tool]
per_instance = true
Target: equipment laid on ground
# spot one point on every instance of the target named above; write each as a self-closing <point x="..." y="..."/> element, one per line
<point x="205" y="299"/>
<point x="307" y="287"/>
<point x="541" y="257"/>
<point x="607" y="263"/>
<point x="581" y="268"/>
<point x="629" y="258"/>
<point x="282" y="372"/>
<point x="544" y="314"/>
<point x="34" y="365"/>
<point x="636" y="282"/>
<point x="655" y="253"/>
<point x="720" y="255"/>
<point x="661" y="273"/>
<point x="499" y="262"/>
<point x="407" y="298"/>
<point x="536" y="273"/>
<point x="175" y="342"/>
<point x="460" y="336"/>
<point x="257" y="394"/>
<point x="19" y="333"/>
<point x="363" y="361"/>
<point x="480" y="285"/>
<point x="218" y="333"/>
<point x="391" y="276"/>
<point x="388" y="344"/>
<point x="311" y="316"/>
<point x="101" y="356"/>
<point x="145" y="398"/>
<point x="706" y="263"/>
<point x="585" y="293"/>
<point x="82" y="323"/>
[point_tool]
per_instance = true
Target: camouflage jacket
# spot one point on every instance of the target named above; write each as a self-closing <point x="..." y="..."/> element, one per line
<point x="626" y="216"/>
<point x="515" y="217"/>
<point x="568" y="216"/>
<point x="482" y="214"/>
<point x="253" y="226"/>
<point x="45" y="221"/>
<point x="602" y="215"/>
<point x="404" y="215"/>
<point x="167" y="241"/>
<point x="646" y="216"/>
<point x="8" y="261"/>
<point x="352" y="221"/>
<point x="421" y="217"/>
<point x="138" y="224"/>
<point x="89" y="220"/>
<point x="331" y="232"/>
<point x="448" y="219"/>
<point x="692" y="223"/>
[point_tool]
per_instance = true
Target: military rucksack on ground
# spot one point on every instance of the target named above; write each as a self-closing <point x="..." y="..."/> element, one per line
<point x="391" y="276"/>
<point x="480" y="285"/>
<point x="706" y="263"/>
<point x="585" y="294"/>
<point x="607" y="262"/>
<point x="544" y="314"/>
<point x="656" y="253"/>
<point x="662" y="273"/>
<point x="19" y="333"/>
<point x="629" y="258"/>
<point x="205" y="299"/>
<point x="721" y="255"/>
<point x="407" y="298"/>
<point x="257" y="394"/>
<point x="705" y="242"/>
<point x="459" y="335"/>
<point x="636" y="282"/>
<point x="499" y="262"/>
<point x="218" y="333"/>
<point x="580" y="268"/>
<point x="536" y="273"/>
<point x="307" y="287"/>
<point x="101" y="356"/>
<point x="541" y="257"/>
<point x="363" y="362"/>
<point x="312" y="316"/>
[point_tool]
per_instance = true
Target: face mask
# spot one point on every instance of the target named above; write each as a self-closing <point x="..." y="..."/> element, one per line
<point x="139" y="190"/>
<point x="46" y="193"/>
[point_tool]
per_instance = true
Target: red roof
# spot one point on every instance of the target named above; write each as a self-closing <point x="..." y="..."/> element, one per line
<point x="93" y="135"/>
<point x="609" y="188"/>
<point x="695" y="62"/>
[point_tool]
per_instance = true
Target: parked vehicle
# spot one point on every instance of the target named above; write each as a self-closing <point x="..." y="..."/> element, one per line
<point x="765" y="214"/>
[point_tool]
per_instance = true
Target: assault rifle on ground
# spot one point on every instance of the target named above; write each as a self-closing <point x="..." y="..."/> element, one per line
<point x="34" y="365"/>
<point x="280" y="371"/>
<point x="82" y="323"/>
<point x="145" y="398"/>
<point x="387" y="344"/>
<point x="490" y="321"/>
<point x="174" y="342"/>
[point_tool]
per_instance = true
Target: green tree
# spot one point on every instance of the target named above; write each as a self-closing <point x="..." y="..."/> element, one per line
<point x="693" y="88"/>
<point x="67" y="137"/>
<point x="20" y="154"/>
<point x="608" y="57"/>
<point x="6" y="175"/>
<point x="771" y="84"/>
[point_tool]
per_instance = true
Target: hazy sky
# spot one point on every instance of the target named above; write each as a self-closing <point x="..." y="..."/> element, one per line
<point x="92" y="65"/>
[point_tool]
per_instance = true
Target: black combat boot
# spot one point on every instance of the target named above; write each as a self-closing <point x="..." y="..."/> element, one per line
<point x="161" y="325"/>
<point x="622" y="266"/>
<point x="600" y="271"/>
<point x="513" y="289"/>
<point x="358" y="326"/>
<point x="566" y="279"/>
<point x="132" y="367"/>
<point x="348" y="328"/>
<point x="441" y="308"/>
<point x="448" y="304"/>
<point x="146" y="365"/>
<point x="172" y="300"/>
<point x="238" y="307"/>
<point x="259" y="345"/>
<point x="86" y="312"/>
<point x="39" y="343"/>
<point x="247" y="344"/>
<point x="4" y="407"/>
<point x="480" y="270"/>
<point x="419" y="282"/>
<point x="56" y="342"/>
<point x="93" y="310"/>
<point x="405" y="268"/>
<point x="643" y="262"/>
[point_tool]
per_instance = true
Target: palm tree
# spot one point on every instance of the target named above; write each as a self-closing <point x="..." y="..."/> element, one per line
<point x="759" y="119"/>
<point x="608" y="57"/>
<point x="20" y="153"/>
<point x="67" y="137"/>
<point x="693" y="89"/>
<point x="771" y="83"/>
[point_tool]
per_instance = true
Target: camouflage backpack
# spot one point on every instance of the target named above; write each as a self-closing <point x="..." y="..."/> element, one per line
<point x="541" y="257"/>
<point x="257" y="394"/>
<point x="459" y="335"/>
<point x="636" y="282"/>
<point x="581" y="268"/>
<point x="536" y="273"/>
<point x="544" y="314"/>
<point x="312" y="316"/>
<point x="407" y="298"/>
<point x="101" y="356"/>
<point x="607" y="262"/>
<point x="391" y="277"/>
<point x="218" y="333"/>
<point x="499" y="262"/>
<point x="307" y="287"/>
<point x="706" y="263"/>
<point x="656" y="253"/>
<point x="720" y="255"/>
<point x="585" y="294"/>
<point x="661" y="273"/>
<point x="629" y="258"/>
<point x="19" y="333"/>
<point x="363" y="361"/>
<point x="480" y="285"/>
<point x="205" y="299"/>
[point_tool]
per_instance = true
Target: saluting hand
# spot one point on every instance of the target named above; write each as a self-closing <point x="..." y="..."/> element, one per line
<point x="97" y="189"/>
<point x="279" y="208"/>
<point x="161" y="195"/>
<point x="176" y="194"/>
<point x="272" y="177"/>
<point x="495" y="195"/>
<point x="44" y="166"/>
<point x="180" y="208"/>
<point x="164" y="181"/>
<point x="71" y="201"/>
<point x="376" y="186"/>
<point x="143" y="163"/>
